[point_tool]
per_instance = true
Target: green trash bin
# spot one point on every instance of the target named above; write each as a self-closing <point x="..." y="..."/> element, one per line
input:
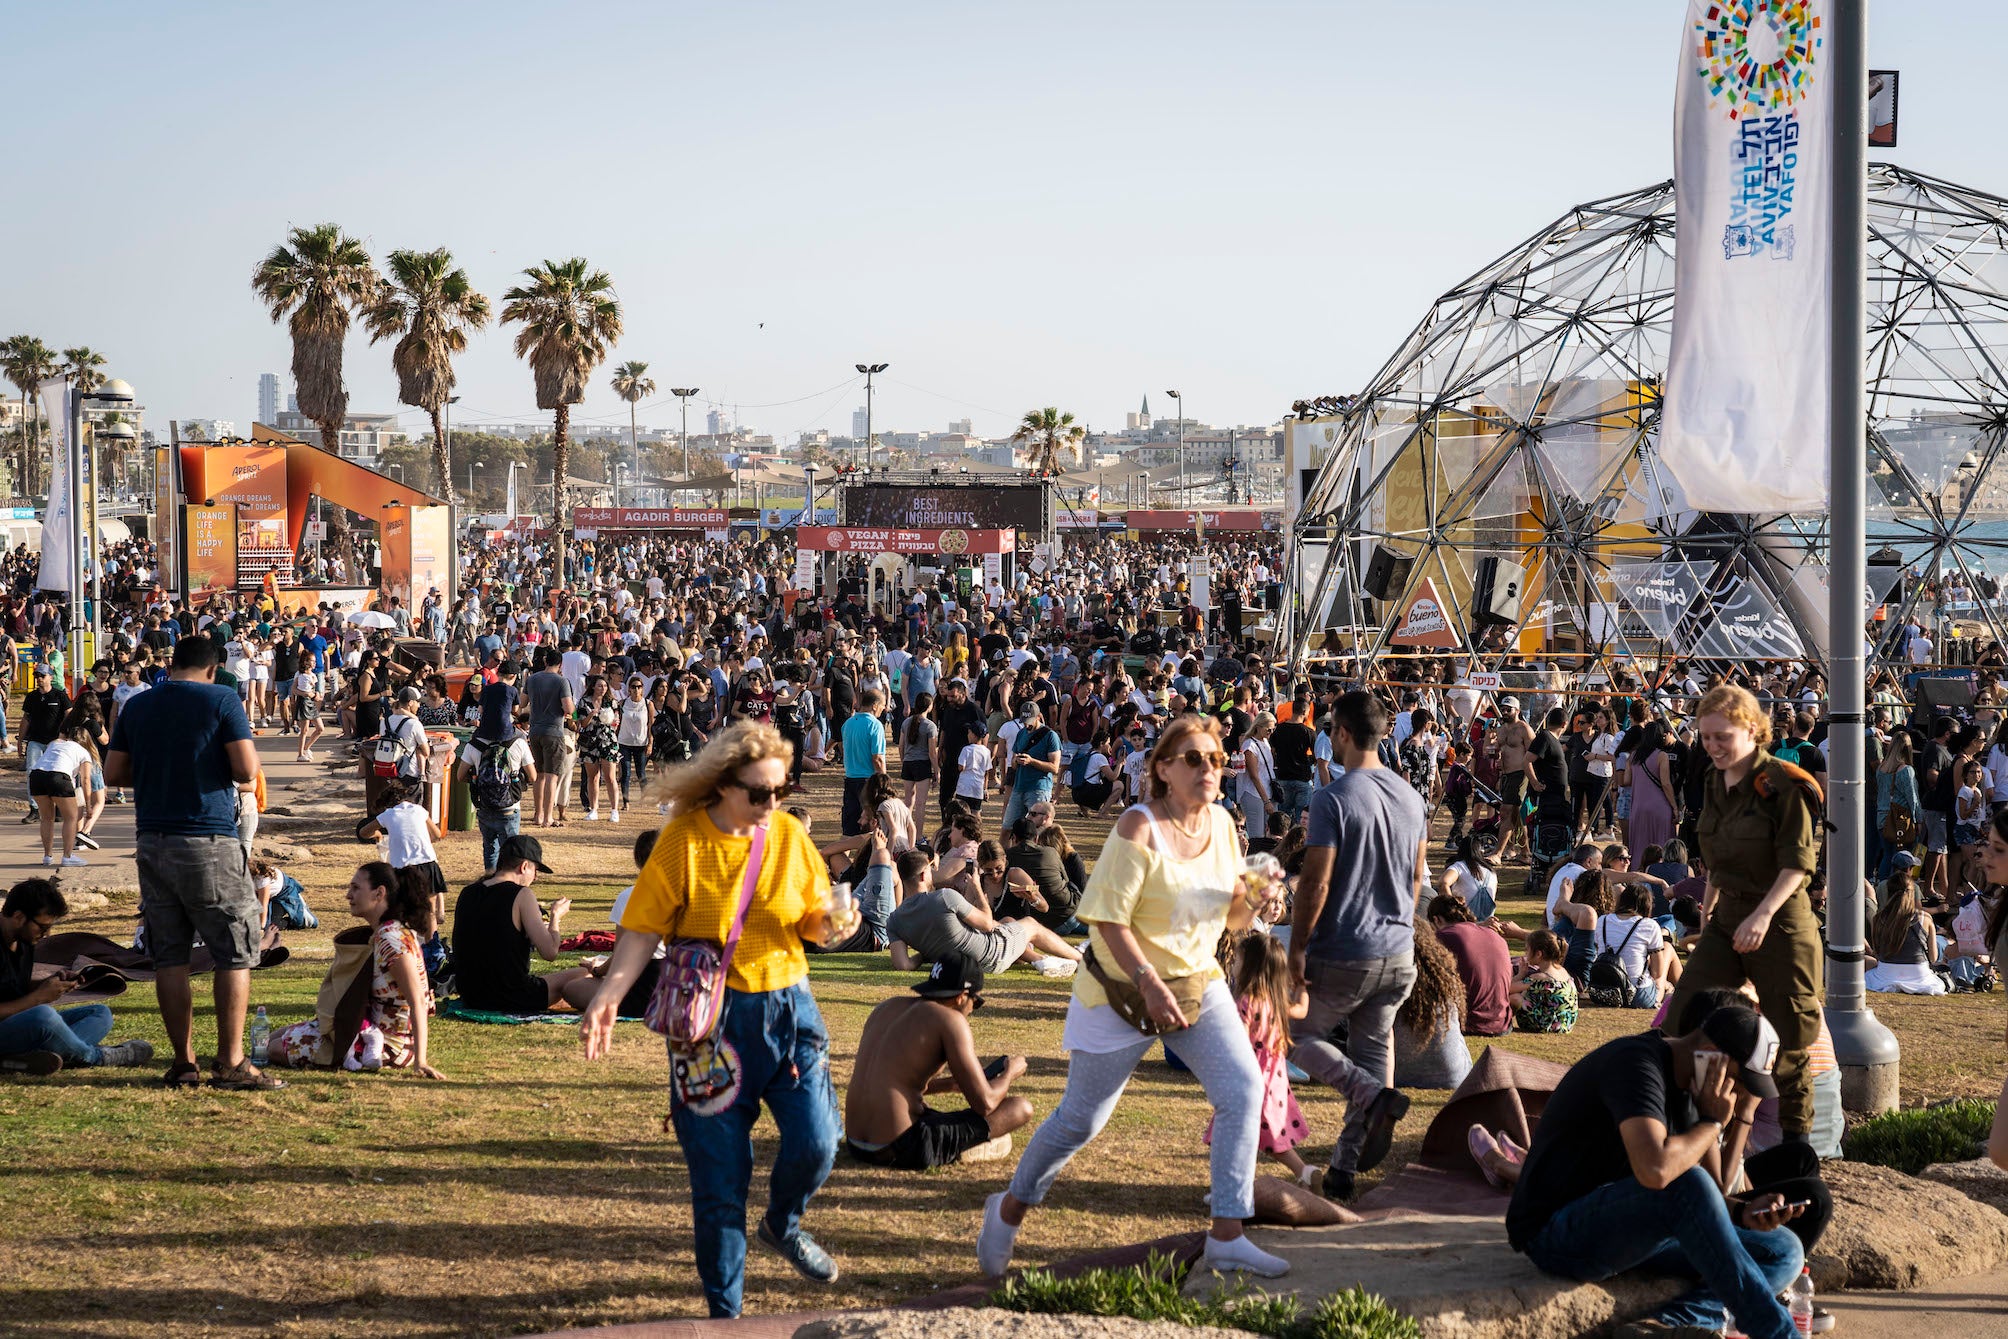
<point x="459" y="795"/>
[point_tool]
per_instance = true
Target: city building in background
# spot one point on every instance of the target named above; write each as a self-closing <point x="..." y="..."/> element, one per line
<point x="268" y="399"/>
<point x="364" y="436"/>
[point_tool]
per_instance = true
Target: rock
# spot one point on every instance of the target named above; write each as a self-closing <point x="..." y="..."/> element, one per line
<point x="88" y="899"/>
<point x="1456" y="1276"/>
<point x="1977" y="1180"/>
<point x="280" y="853"/>
<point x="989" y="1323"/>
<point x="1897" y="1232"/>
<point x="309" y="809"/>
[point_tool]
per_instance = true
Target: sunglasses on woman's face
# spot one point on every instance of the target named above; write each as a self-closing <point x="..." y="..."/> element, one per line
<point x="1198" y="759"/>
<point x="759" y="795"/>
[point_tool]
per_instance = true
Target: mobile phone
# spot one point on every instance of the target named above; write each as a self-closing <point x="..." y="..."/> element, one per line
<point x="1797" y="1204"/>
<point x="995" y="1069"/>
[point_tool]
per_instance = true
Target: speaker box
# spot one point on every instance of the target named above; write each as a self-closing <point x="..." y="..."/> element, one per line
<point x="1945" y="694"/>
<point x="1496" y="588"/>
<point x="1387" y="574"/>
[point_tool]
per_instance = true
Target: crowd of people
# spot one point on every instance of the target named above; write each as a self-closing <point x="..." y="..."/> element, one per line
<point x="1273" y="903"/>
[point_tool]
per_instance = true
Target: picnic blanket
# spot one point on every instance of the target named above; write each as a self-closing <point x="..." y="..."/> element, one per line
<point x="1504" y="1091"/>
<point x="467" y="1013"/>
<point x="109" y="966"/>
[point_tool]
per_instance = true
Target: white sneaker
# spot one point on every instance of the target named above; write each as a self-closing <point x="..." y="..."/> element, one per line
<point x="592" y="815"/>
<point x="1056" y="969"/>
<point x="75" y="860"/>
<point x="48" y="860"/>
<point x="995" y="1240"/>
<point x="663" y="807"/>
<point x="614" y="817"/>
<point x="1243" y="1256"/>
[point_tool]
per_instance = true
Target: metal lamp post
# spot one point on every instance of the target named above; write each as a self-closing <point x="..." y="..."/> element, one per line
<point x="472" y="466"/>
<point x="683" y="394"/>
<point x="514" y="465"/>
<point x="808" y="516"/>
<point x="870" y="370"/>
<point x="1181" y="444"/>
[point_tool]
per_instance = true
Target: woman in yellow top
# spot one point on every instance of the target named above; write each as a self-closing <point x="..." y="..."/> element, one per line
<point x="770" y="1043"/>
<point x="1165" y="887"/>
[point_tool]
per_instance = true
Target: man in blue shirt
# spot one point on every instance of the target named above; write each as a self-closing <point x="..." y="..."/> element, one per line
<point x="1352" y="934"/>
<point x="184" y="747"/>
<point x="316" y="645"/>
<point x="1034" y="763"/>
<point x="864" y="757"/>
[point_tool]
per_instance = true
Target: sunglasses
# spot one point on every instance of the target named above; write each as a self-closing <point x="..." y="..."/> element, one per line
<point x="1196" y="758"/>
<point x="758" y="795"/>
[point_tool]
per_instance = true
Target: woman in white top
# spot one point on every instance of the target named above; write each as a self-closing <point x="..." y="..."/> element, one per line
<point x="1168" y="882"/>
<point x="1256" y="790"/>
<point x="61" y="774"/>
<point x="1471" y="877"/>
<point x="1602" y="766"/>
<point x="1632" y="934"/>
<point x="636" y="728"/>
<point x="260" y="652"/>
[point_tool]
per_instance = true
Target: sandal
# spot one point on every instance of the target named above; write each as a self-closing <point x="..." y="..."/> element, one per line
<point x="245" y="1078"/>
<point x="182" y="1074"/>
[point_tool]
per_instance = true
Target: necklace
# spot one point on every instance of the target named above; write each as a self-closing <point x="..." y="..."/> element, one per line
<point x="1191" y="833"/>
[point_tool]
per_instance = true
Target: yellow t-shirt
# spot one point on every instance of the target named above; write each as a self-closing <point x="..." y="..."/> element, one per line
<point x="691" y="885"/>
<point x="1175" y="908"/>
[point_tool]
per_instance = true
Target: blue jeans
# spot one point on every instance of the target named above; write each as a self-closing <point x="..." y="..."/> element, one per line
<point x="783" y="1051"/>
<point x="1684" y="1229"/>
<point x="31" y="753"/>
<point x="494" y="827"/>
<point x="1293" y="797"/>
<point x="73" y="1034"/>
<point x="1021" y="800"/>
<point x="634" y="763"/>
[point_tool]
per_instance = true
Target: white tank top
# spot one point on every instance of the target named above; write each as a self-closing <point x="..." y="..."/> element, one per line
<point x="634" y="722"/>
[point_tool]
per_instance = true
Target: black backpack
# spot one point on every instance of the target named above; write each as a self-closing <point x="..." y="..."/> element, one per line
<point x="498" y="787"/>
<point x="1609" y="984"/>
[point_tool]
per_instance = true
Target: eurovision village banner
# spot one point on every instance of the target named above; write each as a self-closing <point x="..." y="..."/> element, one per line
<point x="56" y="523"/>
<point x="1744" y="423"/>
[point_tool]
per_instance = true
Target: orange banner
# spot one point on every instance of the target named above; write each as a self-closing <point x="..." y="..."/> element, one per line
<point x="1426" y="621"/>
<point x="253" y="477"/>
<point x="210" y="541"/>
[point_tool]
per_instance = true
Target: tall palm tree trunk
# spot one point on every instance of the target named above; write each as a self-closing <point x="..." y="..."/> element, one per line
<point x="561" y="487"/>
<point x="338" y="519"/>
<point x="442" y="467"/>
<point x="634" y="453"/>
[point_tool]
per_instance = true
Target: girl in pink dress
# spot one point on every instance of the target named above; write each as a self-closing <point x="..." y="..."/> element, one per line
<point x="1262" y="995"/>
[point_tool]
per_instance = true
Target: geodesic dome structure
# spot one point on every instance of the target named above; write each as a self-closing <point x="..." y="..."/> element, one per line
<point x="1518" y="422"/>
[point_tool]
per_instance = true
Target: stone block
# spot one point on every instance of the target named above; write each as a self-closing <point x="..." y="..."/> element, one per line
<point x="1977" y="1180"/>
<point x="989" y="1323"/>
<point x="1898" y="1232"/>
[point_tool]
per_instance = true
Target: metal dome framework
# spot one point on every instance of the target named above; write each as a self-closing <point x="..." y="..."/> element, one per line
<point x="1519" y="421"/>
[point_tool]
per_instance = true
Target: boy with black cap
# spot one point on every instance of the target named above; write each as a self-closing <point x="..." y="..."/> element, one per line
<point x="1626" y="1171"/>
<point x="906" y="1044"/>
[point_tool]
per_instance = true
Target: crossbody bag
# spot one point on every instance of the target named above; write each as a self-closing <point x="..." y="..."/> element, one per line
<point x="1126" y="997"/>
<point x="690" y="992"/>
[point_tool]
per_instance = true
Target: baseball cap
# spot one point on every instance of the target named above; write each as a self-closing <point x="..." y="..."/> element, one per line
<point x="1029" y="712"/>
<point x="950" y="977"/>
<point x="519" y="847"/>
<point x="1745" y="1036"/>
<point x="1508" y="701"/>
<point x="407" y="694"/>
<point x="1903" y="860"/>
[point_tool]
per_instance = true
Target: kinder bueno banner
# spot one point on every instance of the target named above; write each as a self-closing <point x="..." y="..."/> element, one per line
<point x="647" y="518"/>
<point x="1191" y="520"/>
<point x="1426" y="622"/>
<point x="871" y="539"/>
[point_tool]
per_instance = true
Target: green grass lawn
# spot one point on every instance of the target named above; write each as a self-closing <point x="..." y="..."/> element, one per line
<point x="531" y="1191"/>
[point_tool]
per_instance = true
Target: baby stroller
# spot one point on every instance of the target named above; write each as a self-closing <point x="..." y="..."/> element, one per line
<point x="1485" y="827"/>
<point x="1549" y="842"/>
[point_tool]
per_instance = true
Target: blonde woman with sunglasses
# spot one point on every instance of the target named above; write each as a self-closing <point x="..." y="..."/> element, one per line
<point x="725" y="816"/>
<point x="1167" y="884"/>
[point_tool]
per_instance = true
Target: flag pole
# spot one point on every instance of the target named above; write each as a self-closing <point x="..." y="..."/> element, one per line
<point x="1865" y="1049"/>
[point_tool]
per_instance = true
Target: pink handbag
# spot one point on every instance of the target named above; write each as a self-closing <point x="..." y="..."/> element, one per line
<point x="690" y="992"/>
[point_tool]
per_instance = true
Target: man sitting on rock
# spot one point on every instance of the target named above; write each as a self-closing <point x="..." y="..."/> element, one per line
<point x="1625" y="1172"/>
<point x="36" y="1037"/>
<point x="905" y="1046"/>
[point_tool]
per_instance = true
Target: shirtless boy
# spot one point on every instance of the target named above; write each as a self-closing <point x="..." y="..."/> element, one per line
<point x="1512" y="739"/>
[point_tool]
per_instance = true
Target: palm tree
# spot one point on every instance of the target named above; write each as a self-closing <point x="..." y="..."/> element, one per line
<point x="81" y="366"/>
<point x="314" y="280"/>
<point x="633" y="385"/>
<point x="194" y="431"/>
<point x="1046" y="432"/>
<point x="429" y="302"/>
<point x="29" y="362"/>
<point x="569" y="316"/>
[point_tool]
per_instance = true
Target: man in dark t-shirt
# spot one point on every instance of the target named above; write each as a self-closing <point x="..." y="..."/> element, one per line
<point x="1625" y="1171"/>
<point x="1293" y="743"/>
<point x="498" y="707"/>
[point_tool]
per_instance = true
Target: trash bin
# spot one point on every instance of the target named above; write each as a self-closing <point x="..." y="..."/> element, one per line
<point x="459" y="795"/>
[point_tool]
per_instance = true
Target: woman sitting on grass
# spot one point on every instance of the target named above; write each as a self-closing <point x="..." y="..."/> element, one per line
<point x="1429" y="1049"/>
<point x="397" y="905"/>
<point x="1903" y="943"/>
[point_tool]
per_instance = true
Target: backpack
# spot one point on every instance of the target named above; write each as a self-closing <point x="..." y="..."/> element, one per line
<point x="391" y="750"/>
<point x="1609" y="984"/>
<point x="498" y="787"/>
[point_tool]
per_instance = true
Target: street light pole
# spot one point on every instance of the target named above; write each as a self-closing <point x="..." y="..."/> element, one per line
<point x="683" y="394"/>
<point x="1866" y="1050"/>
<point x="473" y="465"/>
<point x="1181" y="444"/>
<point x="870" y="370"/>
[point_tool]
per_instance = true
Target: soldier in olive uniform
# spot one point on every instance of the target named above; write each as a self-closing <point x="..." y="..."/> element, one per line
<point x="1760" y="838"/>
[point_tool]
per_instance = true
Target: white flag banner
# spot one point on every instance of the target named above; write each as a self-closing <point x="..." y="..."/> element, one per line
<point x="56" y="557"/>
<point x="1744" y="423"/>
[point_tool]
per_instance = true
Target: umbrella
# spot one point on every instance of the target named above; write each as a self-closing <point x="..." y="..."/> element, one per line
<point x="372" y="618"/>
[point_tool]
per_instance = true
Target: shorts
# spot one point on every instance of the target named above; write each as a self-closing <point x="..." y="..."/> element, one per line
<point x="1005" y="945"/>
<point x="283" y="688"/>
<point x="197" y="885"/>
<point x="1935" y="827"/>
<point x="1966" y="834"/>
<point x="547" y="752"/>
<point x="916" y="769"/>
<point x="937" y="1139"/>
<point x="57" y="785"/>
<point x="1509" y="791"/>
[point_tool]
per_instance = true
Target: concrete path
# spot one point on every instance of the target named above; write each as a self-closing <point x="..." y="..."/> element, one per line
<point x="111" y="870"/>
<point x="1975" y="1307"/>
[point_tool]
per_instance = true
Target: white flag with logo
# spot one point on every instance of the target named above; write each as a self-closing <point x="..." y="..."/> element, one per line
<point x="56" y="540"/>
<point x="1744" y="422"/>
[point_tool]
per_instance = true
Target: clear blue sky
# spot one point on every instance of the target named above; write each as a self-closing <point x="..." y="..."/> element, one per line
<point x="1013" y="205"/>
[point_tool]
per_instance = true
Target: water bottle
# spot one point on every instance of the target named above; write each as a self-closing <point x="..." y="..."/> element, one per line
<point x="261" y="1036"/>
<point x="1799" y="1301"/>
